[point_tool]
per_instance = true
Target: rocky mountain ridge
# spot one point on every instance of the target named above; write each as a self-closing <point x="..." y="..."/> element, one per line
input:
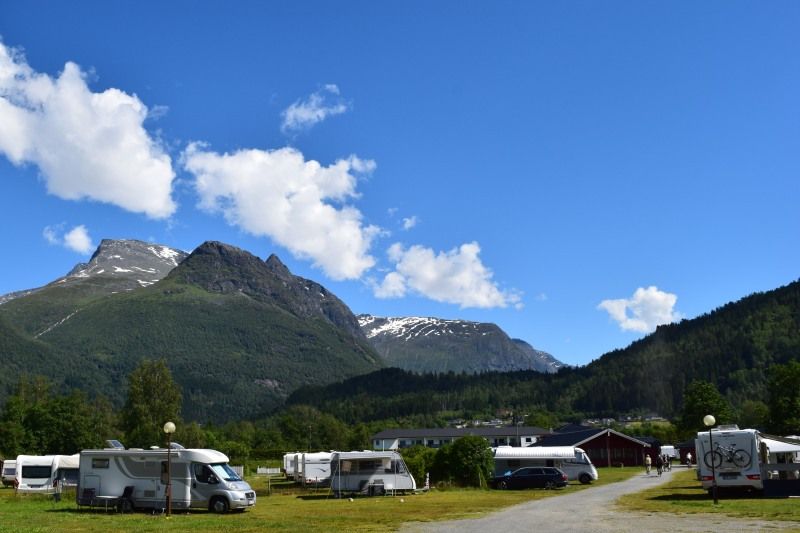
<point x="427" y="344"/>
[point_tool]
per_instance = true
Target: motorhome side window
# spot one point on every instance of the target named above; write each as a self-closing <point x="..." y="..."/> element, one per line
<point x="202" y="472"/>
<point x="97" y="462"/>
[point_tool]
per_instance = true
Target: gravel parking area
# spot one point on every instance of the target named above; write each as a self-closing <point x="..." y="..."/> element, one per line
<point x="593" y="510"/>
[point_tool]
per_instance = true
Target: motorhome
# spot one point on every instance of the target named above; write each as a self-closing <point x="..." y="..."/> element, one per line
<point x="370" y="472"/>
<point x="669" y="451"/>
<point x="315" y="468"/>
<point x="9" y="472"/>
<point x="732" y="455"/>
<point x="135" y="478"/>
<point x="44" y="473"/>
<point x="572" y="461"/>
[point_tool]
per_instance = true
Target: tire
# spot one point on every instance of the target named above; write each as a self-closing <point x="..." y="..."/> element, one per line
<point x="585" y="478"/>
<point x="741" y="458"/>
<point x="502" y="485"/>
<point x="713" y="459"/>
<point x="219" y="505"/>
<point x="549" y="485"/>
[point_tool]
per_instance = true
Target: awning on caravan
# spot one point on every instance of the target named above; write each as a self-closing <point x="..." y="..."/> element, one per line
<point x="535" y="452"/>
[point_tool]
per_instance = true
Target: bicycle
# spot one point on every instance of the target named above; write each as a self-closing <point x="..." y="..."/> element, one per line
<point x="728" y="454"/>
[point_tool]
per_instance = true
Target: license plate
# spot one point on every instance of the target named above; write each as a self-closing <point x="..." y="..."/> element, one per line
<point x="730" y="476"/>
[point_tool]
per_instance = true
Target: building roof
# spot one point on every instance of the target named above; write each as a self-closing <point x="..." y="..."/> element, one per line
<point x="577" y="438"/>
<point x="506" y="431"/>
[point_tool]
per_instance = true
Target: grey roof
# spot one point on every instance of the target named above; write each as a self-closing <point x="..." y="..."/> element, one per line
<point x="576" y="438"/>
<point x="506" y="431"/>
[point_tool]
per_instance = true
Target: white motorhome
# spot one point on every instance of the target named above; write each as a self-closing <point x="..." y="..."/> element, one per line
<point x="315" y="468"/>
<point x="572" y="461"/>
<point x="732" y="454"/>
<point x="370" y="472"/>
<point x="9" y="472"/>
<point x="201" y="479"/>
<point x="669" y="451"/>
<point x="43" y="473"/>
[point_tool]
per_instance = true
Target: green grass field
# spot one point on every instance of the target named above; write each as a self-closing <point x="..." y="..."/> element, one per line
<point x="285" y="509"/>
<point x="683" y="494"/>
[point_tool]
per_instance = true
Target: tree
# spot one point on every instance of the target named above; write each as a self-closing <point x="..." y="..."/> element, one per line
<point x="753" y="414"/>
<point x="784" y="399"/>
<point x="153" y="399"/>
<point x="468" y="461"/>
<point x="419" y="461"/>
<point x="702" y="398"/>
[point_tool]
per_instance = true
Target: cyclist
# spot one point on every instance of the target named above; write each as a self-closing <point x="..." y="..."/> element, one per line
<point x="659" y="464"/>
<point x="647" y="463"/>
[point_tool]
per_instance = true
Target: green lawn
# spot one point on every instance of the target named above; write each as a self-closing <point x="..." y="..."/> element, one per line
<point x="683" y="494"/>
<point x="286" y="509"/>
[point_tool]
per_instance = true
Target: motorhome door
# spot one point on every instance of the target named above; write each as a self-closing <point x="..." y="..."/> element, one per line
<point x="204" y="482"/>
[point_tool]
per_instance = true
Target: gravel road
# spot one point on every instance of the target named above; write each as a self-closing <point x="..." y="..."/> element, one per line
<point x="593" y="510"/>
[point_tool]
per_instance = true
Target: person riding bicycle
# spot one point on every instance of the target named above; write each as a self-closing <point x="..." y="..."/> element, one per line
<point x="659" y="464"/>
<point x="647" y="463"/>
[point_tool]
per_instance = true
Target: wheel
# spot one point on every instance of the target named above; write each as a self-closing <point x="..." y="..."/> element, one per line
<point x="741" y="458"/>
<point x="713" y="458"/>
<point x="219" y="505"/>
<point x="585" y="478"/>
<point x="503" y="485"/>
<point x="549" y="485"/>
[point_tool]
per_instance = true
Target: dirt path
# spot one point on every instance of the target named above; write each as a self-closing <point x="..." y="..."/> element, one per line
<point x="593" y="510"/>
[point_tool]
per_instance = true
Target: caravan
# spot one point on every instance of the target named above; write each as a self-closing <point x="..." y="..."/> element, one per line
<point x="135" y="478"/>
<point x="9" y="472"/>
<point x="572" y="461"/>
<point x="370" y="473"/>
<point x="315" y="468"/>
<point x="44" y="473"/>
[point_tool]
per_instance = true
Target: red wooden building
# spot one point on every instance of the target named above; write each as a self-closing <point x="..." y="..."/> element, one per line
<point x="605" y="447"/>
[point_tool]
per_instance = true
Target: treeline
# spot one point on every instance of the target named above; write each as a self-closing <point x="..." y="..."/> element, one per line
<point x="732" y="347"/>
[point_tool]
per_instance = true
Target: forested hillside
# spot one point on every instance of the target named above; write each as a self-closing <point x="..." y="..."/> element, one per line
<point x="732" y="347"/>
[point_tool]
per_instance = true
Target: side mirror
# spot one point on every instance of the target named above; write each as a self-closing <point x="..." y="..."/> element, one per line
<point x="212" y="479"/>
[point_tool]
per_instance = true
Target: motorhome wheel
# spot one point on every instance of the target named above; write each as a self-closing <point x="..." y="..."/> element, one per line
<point x="219" y="505"/>
<point x="585" y="478"/>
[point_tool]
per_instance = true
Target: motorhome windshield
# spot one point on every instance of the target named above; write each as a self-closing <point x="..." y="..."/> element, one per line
<point x="582" y="458"/>
<point x="225" y="472"/>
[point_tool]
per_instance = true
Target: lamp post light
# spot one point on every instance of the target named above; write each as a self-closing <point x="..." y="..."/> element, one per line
<point x="169" y="429"/>
<point x="709" y="421"/>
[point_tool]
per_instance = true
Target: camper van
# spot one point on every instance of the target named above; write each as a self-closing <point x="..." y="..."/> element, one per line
<point x="572" y="461"/>
<point x="201" y="479"/>
<point x="371" y="473"/>
<point x="43" y="473"/>
<point x="9" y="472"/>
<point x="315" y="468"/>
<point x="733" y="454"/>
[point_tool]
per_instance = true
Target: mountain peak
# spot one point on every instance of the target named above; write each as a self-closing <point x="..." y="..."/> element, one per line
<point x="141" y="262"/>
<point x="222" y="268"/>
<point x="427" y="344"/>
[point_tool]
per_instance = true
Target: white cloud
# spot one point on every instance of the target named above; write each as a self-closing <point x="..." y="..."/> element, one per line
<point x="410" y="222"/>
<point x="647" y="309"/>
<point x="86" y="144"/>
<point x="457" y="276"/>
<point x="77" y="239"/>
<point x="298" y="203"/>
<point x="303" y="114"/>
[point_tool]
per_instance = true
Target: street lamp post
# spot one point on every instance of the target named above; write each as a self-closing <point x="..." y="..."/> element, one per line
<point x="169" y="429"/>
<point x="709" y="421"/>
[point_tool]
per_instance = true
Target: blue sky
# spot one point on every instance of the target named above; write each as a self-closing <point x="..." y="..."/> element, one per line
<point x="575" y="172"/>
